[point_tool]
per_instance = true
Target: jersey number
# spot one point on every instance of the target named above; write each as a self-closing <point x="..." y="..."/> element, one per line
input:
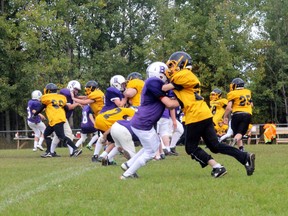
<point x="117" y="110"/>
<point x="56" y="104"/>
<point x="245" y="100"/>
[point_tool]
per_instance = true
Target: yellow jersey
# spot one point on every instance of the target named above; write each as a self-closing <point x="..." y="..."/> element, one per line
<point x="217" y="108"/>
<point x="54" y="108"/>
<point x="136" y="84"/>
<point x="187" y="90"/>
<point x="106" y="119"/>
<point x="241" y="99"/>
<point x="98" y="96"/>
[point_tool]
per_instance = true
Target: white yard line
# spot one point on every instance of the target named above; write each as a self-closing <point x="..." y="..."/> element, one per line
<point x="15" y="194"/>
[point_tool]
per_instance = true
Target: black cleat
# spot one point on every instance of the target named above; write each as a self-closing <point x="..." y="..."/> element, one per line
<point x="250" y="164"/>
<point x="218" y="172"/>
<point x="94" y="158"/>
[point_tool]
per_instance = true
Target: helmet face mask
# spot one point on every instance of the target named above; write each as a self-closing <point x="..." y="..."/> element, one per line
<point x="178" y="61"/>
<point x="90" y="87"/>
<point x="157" y="69"/>
<point x="237" y="83"/>
<point x="215" y="94"/>
<point x="134" y="75"/>
<point x="36" y="95"/>
<point x="50" y="88"/>
<point x="118" y="82"/>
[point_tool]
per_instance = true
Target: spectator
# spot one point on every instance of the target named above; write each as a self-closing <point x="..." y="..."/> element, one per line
<point x="269" y="132"/>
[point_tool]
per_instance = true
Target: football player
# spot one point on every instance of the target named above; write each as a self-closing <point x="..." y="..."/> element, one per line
<point x="198" y="117"/>
<point x="55" y="106"/>
<point x="35" y="122"/>
<point x="133" y="89"/>
<point x="87" y="127"/>
<point x="94" y="97"/>
<point x="240" y="105"/>
<point x="153" y="103"/>
<point x="73" y="87"/>
<point x="217" y="105"/>
<point x="103" y="122"/>
<point x="114" y="94"/>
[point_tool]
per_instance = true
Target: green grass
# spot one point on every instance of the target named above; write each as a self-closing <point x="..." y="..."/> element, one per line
<point x="30" y="185"/>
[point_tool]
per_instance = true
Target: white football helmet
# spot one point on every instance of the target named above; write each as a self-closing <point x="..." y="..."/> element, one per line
<point x="36" y="94"/>
<point x="118" y="82"/>
<point x="157" y="69"/>
<point x="74" y="84"/>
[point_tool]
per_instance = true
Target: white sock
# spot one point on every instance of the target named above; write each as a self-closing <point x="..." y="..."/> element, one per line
<point x="93" y="140"/>
<point x="112" y="153"/>
<point x="217" y="165"/>
<point x="98" y="148"/>
<point x="104" y="154"/>
<point x="41" y="139"/>
<point x="35" y="144"/>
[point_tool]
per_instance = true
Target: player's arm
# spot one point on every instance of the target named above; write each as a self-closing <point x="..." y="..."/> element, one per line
<point x="169" y="103"/>
<point x="173" y="117"/>
<point x="43" y="106"/>
<point x="171" y="86"/>
<point x="72" y="106"/>
<point x="130" y="92"/>
<point x="83" y="101"/>
<point x="167" y="87"/>
<point x="91" y="117"/>
<point x="228" y="110"/>
<point x="120" y="103"/>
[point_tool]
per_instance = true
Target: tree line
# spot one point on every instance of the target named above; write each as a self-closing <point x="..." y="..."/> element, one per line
<point x="57" y="41"/>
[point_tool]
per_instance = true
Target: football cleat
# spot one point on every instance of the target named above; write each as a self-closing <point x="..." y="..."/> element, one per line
<point x="250" y="164"/>
<point x="46" y="155"/>
<point x="218" y="172"/>
<point x="40" y="147"/>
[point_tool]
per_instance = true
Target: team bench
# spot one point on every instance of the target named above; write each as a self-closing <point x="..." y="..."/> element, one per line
<point x="281" y="135"/>
<point x="22" y="141"/>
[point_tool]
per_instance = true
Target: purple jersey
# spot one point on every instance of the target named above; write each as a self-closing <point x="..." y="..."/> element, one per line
<point x="126" y="124"/>
<point x="111" y="94"/>
<point x="67" y="94"/>
<point x="33" y="104"/>
<point x="166" y="114"/>
<point x="151" y="108"/>
<point x="87" y="125"/>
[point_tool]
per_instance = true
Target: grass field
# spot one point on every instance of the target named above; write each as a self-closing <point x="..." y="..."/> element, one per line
<point x="31" y="185"/>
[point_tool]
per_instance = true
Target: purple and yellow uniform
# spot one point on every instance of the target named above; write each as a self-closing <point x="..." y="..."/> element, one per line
<point x="241" y="100"/>
<point x="138" y="85"/>
<point x="87" y="125"/>
<point x="111" y="94"/>
<point x="151" y="108"/>
<point x="106" y="119"/>
<point x="33" y="104"/>
<point x="98" y="96"/>
<point x="217" y="108"/>
<point x="55" y="104"/>
<point x="193" y="105"/>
